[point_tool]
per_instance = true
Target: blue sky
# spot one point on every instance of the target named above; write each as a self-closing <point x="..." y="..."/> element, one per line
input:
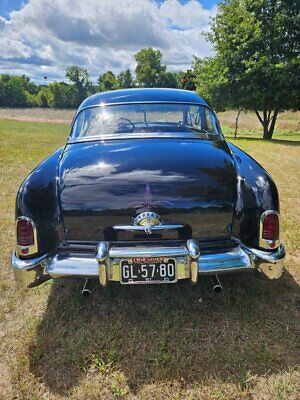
<point x="42" y="37"/>
<point x="7" y="6"/>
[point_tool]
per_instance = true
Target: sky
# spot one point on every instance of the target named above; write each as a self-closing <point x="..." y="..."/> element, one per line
<point x="42" y="37"/>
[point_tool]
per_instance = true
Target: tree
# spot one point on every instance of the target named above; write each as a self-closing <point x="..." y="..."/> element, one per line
<point x="257" y="45"/>
<point x="186" y="80"/>
<point x="167" y="79"/>
<point x="125" y="80"/>
<point x="61" y="95"/>
<point x="149" y="68"/>
<point x="12" y="91"/>
<point x="107" y="81"/>
<point x="212" y="84"/>
<point x="80" y="78"/>
<point x="29" y="86"/>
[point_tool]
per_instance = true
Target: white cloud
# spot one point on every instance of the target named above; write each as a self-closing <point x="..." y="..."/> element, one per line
<point x="46" y="36"/>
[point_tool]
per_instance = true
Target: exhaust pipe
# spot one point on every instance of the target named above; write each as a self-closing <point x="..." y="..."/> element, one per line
<point x="217" y="285"/>
<point x="86" y="290"/>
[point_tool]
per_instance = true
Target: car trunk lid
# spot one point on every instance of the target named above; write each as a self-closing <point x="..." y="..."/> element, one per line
<point x="191" y="182"/>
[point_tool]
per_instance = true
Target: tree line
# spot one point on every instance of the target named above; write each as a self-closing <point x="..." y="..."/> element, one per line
<point x="20" y="91"/>
<point x="256" y="67"/>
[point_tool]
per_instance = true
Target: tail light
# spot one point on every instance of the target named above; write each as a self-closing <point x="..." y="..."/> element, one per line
<point x="26" y="237"/>
<point x="269" y="230"/>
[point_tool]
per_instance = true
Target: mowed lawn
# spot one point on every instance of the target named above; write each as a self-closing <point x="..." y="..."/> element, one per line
<point x="171" y="342"/>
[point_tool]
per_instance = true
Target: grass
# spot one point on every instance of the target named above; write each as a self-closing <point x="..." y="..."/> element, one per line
<point x="174" y="342"/>
<point x="287" y="125"/>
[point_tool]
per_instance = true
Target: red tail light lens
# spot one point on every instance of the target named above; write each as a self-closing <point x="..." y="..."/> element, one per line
<point x="25" y="233"/>
<point x="270" y="229"/>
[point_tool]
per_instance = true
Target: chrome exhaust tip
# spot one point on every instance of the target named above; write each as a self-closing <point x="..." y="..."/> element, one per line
<point x="86" y="290"/>
<point x="217" y="285"/>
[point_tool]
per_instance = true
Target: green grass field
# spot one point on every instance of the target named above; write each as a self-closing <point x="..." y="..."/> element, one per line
<point x="174" y="342"/>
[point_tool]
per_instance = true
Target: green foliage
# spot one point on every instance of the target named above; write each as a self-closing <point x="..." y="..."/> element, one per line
<point x="61" y="95"/>
<point x="12" y="91"/>
<point x="167" y="79"/>
<point x="257" y="63"/>
<point x="20" y="91"/>
<point x="186" y="80"/>
<point x="150" y="72"/>
<point x="31" y="100"/>
<point x="107" y="81"/>
<point x="149" y="68"/>
<point x="80" y="78"/>
<point x="43" y="97"/>
<point x="211" y="83"/>
<point x="125" y="80"/>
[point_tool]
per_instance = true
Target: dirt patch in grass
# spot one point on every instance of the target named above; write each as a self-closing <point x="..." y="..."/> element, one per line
<point x="57" y="116"/>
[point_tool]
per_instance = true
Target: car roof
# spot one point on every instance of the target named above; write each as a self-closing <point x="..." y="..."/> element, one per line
<point x="142" y="95"/>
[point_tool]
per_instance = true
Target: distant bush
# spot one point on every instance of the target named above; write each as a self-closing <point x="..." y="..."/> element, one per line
<point x="13" y="91"/>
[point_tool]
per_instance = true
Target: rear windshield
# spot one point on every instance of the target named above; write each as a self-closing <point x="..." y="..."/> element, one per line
<point x="136" y="119"/>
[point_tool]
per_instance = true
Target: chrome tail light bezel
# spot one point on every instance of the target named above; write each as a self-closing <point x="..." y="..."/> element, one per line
<point x="267" y="243"/>
<point x="25" y="251"/>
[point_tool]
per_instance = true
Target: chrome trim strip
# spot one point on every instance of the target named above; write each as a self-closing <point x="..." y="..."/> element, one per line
<point x="160" y="227"/>
<point x="264" y="243"/>
<point x="153" y="135"/>
<point x="32" y="249"/>
<point x="129" y="252"/>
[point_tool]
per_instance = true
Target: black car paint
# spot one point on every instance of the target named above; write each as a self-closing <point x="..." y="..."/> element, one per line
<point x="256" y="193"/>
<point x="38" y="199"/>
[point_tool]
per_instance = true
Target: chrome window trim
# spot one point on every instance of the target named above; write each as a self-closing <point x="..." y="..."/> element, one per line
<point x="264" y="243"/>
<point x="72" y="140"/>
<point x="32" y="249"/>
<point x="161" y="135"/>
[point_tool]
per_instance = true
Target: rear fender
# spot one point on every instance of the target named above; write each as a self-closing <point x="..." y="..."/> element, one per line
<point x="256" y="193"/>
<point x="38" y="199"/>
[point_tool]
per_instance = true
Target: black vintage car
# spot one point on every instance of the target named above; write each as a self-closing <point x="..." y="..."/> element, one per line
<point x="146" y="190"/>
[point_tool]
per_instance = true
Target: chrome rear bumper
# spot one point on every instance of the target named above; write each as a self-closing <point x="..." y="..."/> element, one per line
<point x="106" y="264"/>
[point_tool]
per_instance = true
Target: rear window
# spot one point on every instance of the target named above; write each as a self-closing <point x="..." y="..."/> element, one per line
<point x="132" y="119"/>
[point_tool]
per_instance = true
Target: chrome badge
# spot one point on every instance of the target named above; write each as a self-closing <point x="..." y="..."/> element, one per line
<point x="147" y="219"/>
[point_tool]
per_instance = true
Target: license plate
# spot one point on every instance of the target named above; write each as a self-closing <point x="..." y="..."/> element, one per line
<point x="148" y="270"/>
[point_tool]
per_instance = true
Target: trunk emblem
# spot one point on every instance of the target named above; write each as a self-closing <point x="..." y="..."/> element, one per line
<point x="147" y="219"/>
